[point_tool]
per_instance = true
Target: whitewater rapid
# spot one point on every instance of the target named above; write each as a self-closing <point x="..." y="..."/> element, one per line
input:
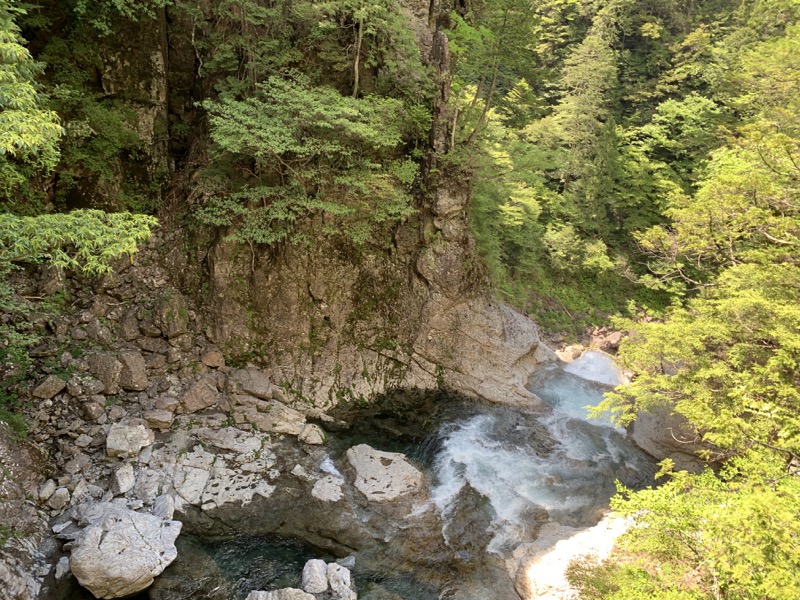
<point x="498" y="455"/>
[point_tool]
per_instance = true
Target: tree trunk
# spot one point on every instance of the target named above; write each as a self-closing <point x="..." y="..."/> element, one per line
<point x="359" y="37"/>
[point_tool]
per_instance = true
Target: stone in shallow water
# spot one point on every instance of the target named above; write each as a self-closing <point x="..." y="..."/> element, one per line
<point x="340" y="582"/>
<point x="383" y="476"/>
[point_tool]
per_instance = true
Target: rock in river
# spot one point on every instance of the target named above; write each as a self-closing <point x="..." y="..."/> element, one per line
<point x="383" y="476"/>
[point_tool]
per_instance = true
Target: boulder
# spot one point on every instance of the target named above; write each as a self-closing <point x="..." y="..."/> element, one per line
<point x="47" y="489"/>
<point x="107" y="369"/>
<point x="213" y="359"/>
<point x="158" y="419"/>
<point x="664" y="434"/>
<point x="172" y="316"/>
<point x="315" y="576"/>
<point x="383" y="476"/>
<point x="128" y="328"/>
<point x="119" y="552"/>
<point x="203" y="394"/>
<point x="276" y="417"/>
<point x="340" y="581"/>
<point x="312" y="435"/>
<point x="49" y="387"/>
<point x="123" y="480"/>
<point x="127" y="438"/>
<point x="59" y="499"/>
<point x="133" y="375"/>
<point x="328" y="489"/>
<point x="253" y="382"/>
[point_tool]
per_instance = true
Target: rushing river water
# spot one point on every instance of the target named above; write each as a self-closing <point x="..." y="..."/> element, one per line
<point x="497" y="475"/>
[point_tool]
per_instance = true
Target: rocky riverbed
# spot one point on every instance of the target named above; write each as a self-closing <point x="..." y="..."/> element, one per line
<point x="142" y="436"/>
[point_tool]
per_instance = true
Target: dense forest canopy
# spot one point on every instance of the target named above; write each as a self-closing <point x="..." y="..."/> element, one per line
<point x="629" y="160"/>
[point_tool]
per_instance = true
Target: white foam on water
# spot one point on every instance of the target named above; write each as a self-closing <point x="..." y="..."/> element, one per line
<point x="596" y="366"/>
<point x="513" y="479"/>
<point x="573" y="479"/>
<point x="327" y="466"/>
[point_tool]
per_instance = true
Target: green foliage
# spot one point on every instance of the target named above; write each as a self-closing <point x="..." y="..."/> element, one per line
<point x="29" y="132"/>
<point x="728" y="358"/>
<point x="83" y="240"/>
<point x="310" y="150"/>
<point x="732" y="536"/>
<point x="101" y="14"/>
<point x="614" y="580"/>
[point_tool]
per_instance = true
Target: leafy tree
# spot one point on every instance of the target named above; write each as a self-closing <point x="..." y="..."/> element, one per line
<point x="728" y="358"/>
<point x="309" y="150"/>
<point x="29" y="132"/>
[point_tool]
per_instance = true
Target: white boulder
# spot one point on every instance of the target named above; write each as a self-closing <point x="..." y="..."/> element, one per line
<point x="119" y="552"/>
<point x="383" y="476"/>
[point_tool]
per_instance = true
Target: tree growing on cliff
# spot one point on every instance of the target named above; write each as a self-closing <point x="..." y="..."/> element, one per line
<point x="308" y="150"/>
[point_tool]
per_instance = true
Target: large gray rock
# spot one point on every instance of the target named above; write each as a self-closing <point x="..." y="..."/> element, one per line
<point x="253" y="382"/>
<point x="133" y="375"/>
<point x="274" y="416"/>
<point x="383" y="476"/>
<point x="203" y="394"/>
<point x="128" y="437"/>
<point x="312" y="435"/>
<point x="123" y="479"/>
<point x="340" y="581"/>
<point x="107" y="369"/>
<point x="328" y="489"/>
<point x="119" y="552"/>
<point x="664" y="434"/>
<point x="159" y="419"/>
<point x="49" y="387"/>
<point x="172" y="316"/>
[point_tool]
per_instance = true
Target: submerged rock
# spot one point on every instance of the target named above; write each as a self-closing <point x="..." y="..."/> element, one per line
<point x="119" y="552"/>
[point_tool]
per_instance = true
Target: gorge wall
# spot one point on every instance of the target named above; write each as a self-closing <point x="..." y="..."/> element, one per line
<point x="328" y="320"/>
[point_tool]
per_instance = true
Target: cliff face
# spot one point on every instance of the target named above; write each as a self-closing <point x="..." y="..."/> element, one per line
<point x="336" y="324"/>
<point x="330" y="321"/>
